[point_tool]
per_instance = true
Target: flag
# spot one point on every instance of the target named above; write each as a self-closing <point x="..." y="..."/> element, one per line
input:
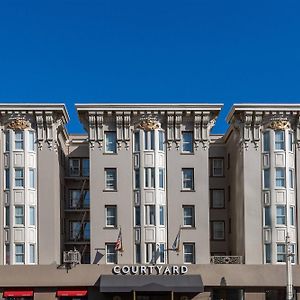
<point x="118" y="245"/>
<point x="176" y="243"/>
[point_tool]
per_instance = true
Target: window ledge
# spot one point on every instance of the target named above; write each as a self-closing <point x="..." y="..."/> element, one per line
<point x="187" y="153"/>
<point x="189" y="227"/>
<point x="187" y="190"/>
<point x="111" y="227"/>
<point x="108" y="191"/>
<point x="110" y="153"/>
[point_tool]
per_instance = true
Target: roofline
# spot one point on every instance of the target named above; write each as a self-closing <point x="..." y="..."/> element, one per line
<point x="261" y="107"/>
<point x="37" y="106"/>
<point x="148" y="106"/>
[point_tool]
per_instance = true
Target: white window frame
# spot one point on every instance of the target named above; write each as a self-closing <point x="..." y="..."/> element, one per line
<point x="188" y="219"/>
<point x="20" y="216"/>
<point x="220" y="172"/>
<point x="137" y="179"/>
<point x="149" y="175"/>
<point x="281" y="253"/>
<point x="149" y="140"/>
<point x="162" y="215"/>
<point x="291" y="179"/>
<point x="189" y="252"/>
<point x="266" y="141"/>
<point x="7" y="178"/>
<point x="32" y="181"/>
<point x="280" y="178"/>
<point x="292" y="215"/>
<point x="279" y="143"/>
<point x="150" y="215"/>
<point x="266" y="178"/>
<point x="137" y="215"/>
<point x="110" y="145"/>
<point x="162" y="253"/>
<point x="31" y="141"/>
<point x="19" y="140"/>
<point x="111" y="252"/>
<point x="7" y="144"/>
<point x="267" y="216"/>
<point x="32" y="216"/>
<point x="187" y="142"/>
<point x="110" y="182"/>
<point x="20" y="254"/>
<point x="161" y="141"/>
<point x="137" y="141"/>
<point x="32" y="253"/>
<point x="291" y="141"/>
<point x="269" y="246"/>
<point x="138" y="257"/>
<point x="150" y="252"/>
<point x="7" y="216"/>
<point x="281" y="216"/>
<point x="161" y="178"/>
<point x="109" y="217"/>
<point x="19" y="179"/>
<point x="187" y="177"/>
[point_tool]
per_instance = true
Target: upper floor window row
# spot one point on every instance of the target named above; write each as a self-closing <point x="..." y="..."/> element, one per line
<point x="151" y="139"/>
<point x="79" y="167"/>
<point x="19" y="175"/>
<point x="17" y="139"/>
<point x="279" y="141"/>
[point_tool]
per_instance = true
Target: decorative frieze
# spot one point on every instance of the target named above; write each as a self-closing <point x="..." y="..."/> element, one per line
<point x="19" y="124"/>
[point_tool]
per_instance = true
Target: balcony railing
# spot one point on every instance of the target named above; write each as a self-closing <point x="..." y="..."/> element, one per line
<point x="226" y="259"/>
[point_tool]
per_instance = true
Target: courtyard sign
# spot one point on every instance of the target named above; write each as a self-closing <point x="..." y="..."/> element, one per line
<point x="149" y="270"/>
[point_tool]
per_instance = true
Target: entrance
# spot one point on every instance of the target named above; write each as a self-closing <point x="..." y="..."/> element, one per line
<point x="153" y="295"/>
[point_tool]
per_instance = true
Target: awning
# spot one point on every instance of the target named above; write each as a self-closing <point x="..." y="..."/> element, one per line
<point x="63" y="293"/>
<point x="7" y="294"/>
<point x="155" y="283"/>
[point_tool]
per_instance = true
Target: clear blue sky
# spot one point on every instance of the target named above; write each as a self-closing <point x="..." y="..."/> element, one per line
<point x="149" y="51"/>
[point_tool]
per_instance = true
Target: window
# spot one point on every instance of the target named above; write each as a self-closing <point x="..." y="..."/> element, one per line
<point x="19" y="215"/>
<point x="150" y="214"/>
<point x="110" y="142"/>
<point x="138" y="254"/>
<point x="293" y="250"/>
<point x="162" y="256"/>
<point x="280" y="177"/>
<point x="74" y="167"/>
<point x="137" y="181"/>
<point x="188" y="179"/>
<point x="19" y="140"/>
<point x="268" y="254"/>
<point x="86" y="231"/>
<point x="189" y="253"/>
<point x="161" y="173"/>
<point x="78" y="200"/>
<point x="137" y="216"/>
<point x="31" y="141"/>
<point x="19" y="254"/>
<point x="149" y="177"/>
<point x="291" y="141"/>
<point x="217" y="167"/>
<point x="161" y="140"/>
<point x="7" y="179"/>
<point x="32" y="178"/>
<point x="217" y="198"/>
<point x="7" y="216"/>
<point x="32" y="215"/>
<point x="111" y="254"/>
<point x="7" y="254"/>
<point x="266" y="141"/>
<point x="111" y="215"/>
<point x="280" y="252"/>
<point x="85" y="167"/>
<point x="149" y="140"/>
<point x="189" y="215"/>
<point x="267" y="216"/>
<point x="218" y="230"/>
<point x="7" y="141"/>
<point x="279" y="140"/>
<point x="137" y="147"/>
<point x="161" y="215"/>
<point x="266" y="173"/>
<point x="187" y="142"/>
<point x="31" y="253"/>
<point x="75" y="230"/>
<point x="151" y="253"/>
<point x="19" y="177"/>
<point x="280" y="215"/>
<point x="111" y="179"/>
<point x="292" y="215"/>
<point x="291" y="178"/>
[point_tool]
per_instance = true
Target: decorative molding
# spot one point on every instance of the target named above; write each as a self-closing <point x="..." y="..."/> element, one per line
<point x="148" y="122"/>
<point x="92" y="130"/>
<point x="197" y="128"/>
<point x="256" y="128"/>
<point x="170" y="128"/>
<point x="49" y="130"/>
<point x="99" y="129"/>
<point x="40" y="129"/>
<point x="119" y="127"/>
<point x="127" y="120"/>
<point x="19" y="124"/>
<point x="280" y="124"/>
<point x="178" y="123"/>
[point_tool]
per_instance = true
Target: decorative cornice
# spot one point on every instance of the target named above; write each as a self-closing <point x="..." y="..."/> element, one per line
<point x="19" y="124"/>
<point x="280" y="125"/>
<point x="148" y="122"/>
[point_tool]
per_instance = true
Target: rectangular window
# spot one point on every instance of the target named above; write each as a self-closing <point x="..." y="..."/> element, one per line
<point x="7" y="179"/>
<point x="188" y="179"/>
<point x="137" y="180"/>
<point x="189" y="253"/>
<point x="161" y="215"/>
<point x="161" y="140"/>
<point x="217" y="198"/>
<point x="188" y="215"/>
<point x="19" y="177"/>
<point x="266" y="173"/>
<point x="161" y="173"/>
<point x="151" y="253"/>
<point x="7" y="141"/>
<point x="111" y="254"/>
<point x="110" y="142"/>
<point x="217" y="167"/>
<point x="74" y="167"/>
<point x="149" y="140"/>
<point x="31" y="253"/>
<point x="111" y="215"/>
<point x="31" y="141"/>
<point x="266" y="141"/>
<point x="279" y="140"/>
<point x="150" y="214"/>
<point x="291" y="178"/>
<point x="86" y="231"/>
<point x="281" y="253"/>
<point x="111" y="179"/>
<point x="78" y="200"/>
<point x="32" y="178"/>
<point x="138" y="254"/>
<point x="292" y="215"/>
<point x="137" y="147"/>
<point x="85" y="167"/>
<point x="162" y="256"/>
<point x="137" y="214"/>
<point x="7" y="216"/>
<point x="218" y="230"/>
<point x="149" y="177"/>
<point x="291" y="141"/>
<point x="293" y="250"/>
<point x="19" y="140"/>
<point x="187" y="142"/>
<point x="32" y="215"/>
<point x="268" y="254"/>
<point x="267" y="216"/>
<point x="19" y="254"/>
<point x="7" y="254"/>
<point x="280" y="177"/>
<point x="75" y="230"/>
<point x="280" y="215"/>
<point x="19" y="215"/>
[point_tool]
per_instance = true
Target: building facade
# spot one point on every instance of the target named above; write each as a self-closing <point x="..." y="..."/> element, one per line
<point x="148" y="204"/>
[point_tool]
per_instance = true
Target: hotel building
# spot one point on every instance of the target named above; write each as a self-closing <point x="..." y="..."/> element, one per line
<point x="149" y="204"/>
